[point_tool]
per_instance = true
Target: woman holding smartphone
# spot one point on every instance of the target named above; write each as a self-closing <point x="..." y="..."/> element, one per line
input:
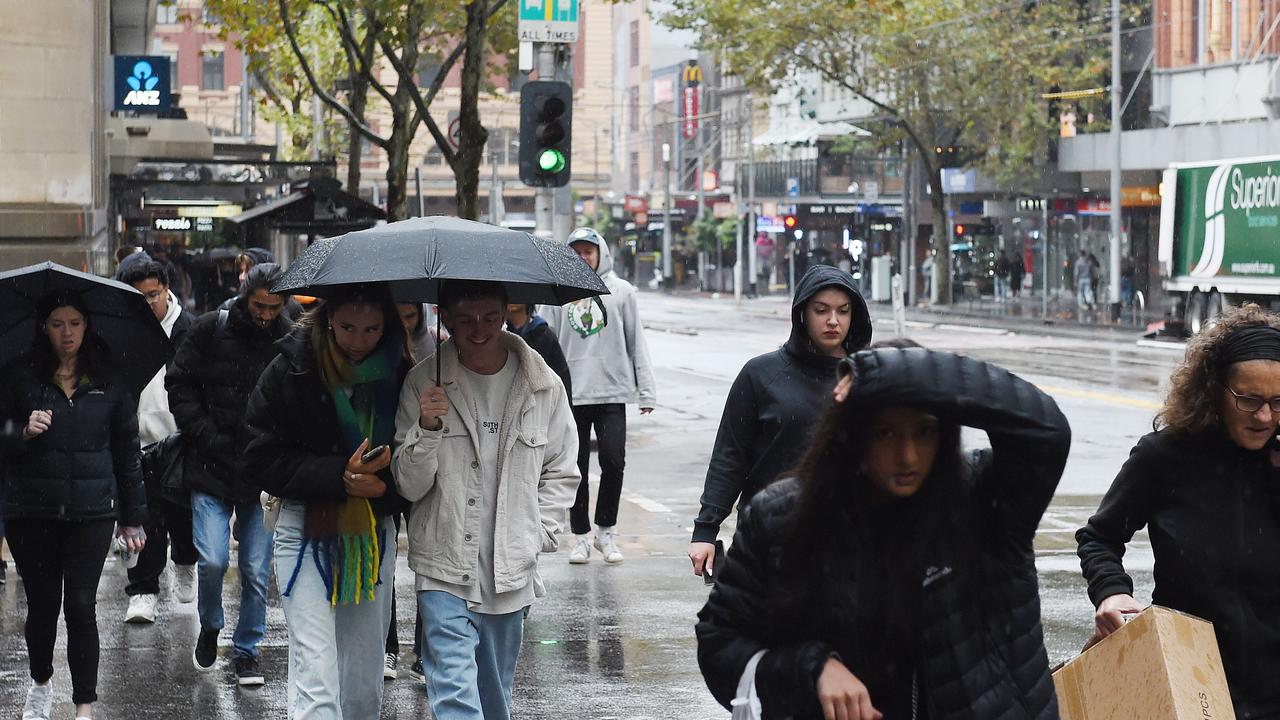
<point x="321" y="420"/>
<point x="894" y="576"/>
<point x="70" y="479"/>
<point x="1206" y="486"/>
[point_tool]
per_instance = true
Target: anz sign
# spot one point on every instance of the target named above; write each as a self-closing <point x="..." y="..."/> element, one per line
<point x="142" y="83"/>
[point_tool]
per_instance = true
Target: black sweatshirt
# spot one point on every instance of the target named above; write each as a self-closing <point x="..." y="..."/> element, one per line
<point x="773" y="406"/>
<point x="1211" y="508"/>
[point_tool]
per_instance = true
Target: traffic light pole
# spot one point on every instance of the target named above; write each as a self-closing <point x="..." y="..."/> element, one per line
<point x="544" y="197"/>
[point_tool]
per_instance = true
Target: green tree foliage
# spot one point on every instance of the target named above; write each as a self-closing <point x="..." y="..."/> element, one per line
<point x="379" y="49"/>
<point x="936" y="73"/>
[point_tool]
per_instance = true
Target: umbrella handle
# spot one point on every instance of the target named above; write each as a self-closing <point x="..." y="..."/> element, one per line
<point x="439" y="342"/>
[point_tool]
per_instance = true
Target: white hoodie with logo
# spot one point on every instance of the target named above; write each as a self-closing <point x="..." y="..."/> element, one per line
<point x="608" y="361"/>
<point x="155" y="422"/>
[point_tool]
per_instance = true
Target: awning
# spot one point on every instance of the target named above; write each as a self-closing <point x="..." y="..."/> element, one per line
<point x="266" y="207"/>
<point x="807" y="133"/>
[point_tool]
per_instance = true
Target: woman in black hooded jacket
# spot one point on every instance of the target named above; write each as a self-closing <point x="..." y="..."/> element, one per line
<point x="69" y="480"/>
<point x="893" y="577"/>
<point x="777" y="398"/>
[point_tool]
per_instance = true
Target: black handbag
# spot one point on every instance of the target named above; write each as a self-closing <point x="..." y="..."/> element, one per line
<point x="162" y="469"/>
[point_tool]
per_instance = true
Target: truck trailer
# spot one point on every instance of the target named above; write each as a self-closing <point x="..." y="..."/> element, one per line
<point x="1220" y="237"/>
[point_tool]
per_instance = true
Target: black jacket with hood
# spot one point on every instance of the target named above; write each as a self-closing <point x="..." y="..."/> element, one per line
<point x="978" y="649"/>
<point x="773" y="406"/>
<point x="296" y="448"/>
<point x="209" y="383"/>
<point x="1212" y="510"/>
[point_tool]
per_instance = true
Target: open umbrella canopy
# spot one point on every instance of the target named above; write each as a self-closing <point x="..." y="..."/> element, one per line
<point x="119" y="318"/>
<point x="415" y="255"/>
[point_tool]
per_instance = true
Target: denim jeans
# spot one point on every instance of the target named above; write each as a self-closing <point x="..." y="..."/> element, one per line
<point x="1084" y="293"/>
<point x="211" y="530"/>
<point x="469" y="657"/>
<point x="1002" y="288"/>
<point x="335" y="653"/>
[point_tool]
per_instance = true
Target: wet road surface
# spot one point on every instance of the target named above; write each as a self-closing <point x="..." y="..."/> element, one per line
<point x="617" y="641"/>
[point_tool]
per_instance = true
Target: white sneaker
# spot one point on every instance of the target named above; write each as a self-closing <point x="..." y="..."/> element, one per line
<point x="606" y="545"/>
<point x="39" y="701"/>
<point x="390" y="667"/>
<point x="142" y="609"/>
<point x="581" y="550"/>
<point x="184" y="583"/>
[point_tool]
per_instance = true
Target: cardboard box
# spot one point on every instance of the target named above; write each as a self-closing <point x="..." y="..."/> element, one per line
<point x="1162" y="665"/>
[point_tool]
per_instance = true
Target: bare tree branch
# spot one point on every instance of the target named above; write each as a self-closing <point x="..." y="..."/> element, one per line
<point x="328" y="99"/>
<point x="355" y="58"/>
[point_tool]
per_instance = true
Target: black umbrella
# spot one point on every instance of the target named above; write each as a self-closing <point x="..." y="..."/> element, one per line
<point x="413" y="256"/>
<point x="119" y="318"/>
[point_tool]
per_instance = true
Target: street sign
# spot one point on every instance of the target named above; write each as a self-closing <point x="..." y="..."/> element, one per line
<point x="455" y="131"/>
<point x="553" y="21"/>
<point x="793" y="187"/>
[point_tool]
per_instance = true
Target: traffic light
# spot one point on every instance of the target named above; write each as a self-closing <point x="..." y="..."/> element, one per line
<point x="959" y="230"/>
<point x="546" y="133"/>
<point x="789" y="222"/>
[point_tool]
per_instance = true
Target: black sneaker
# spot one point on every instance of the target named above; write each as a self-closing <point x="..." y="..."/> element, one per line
<point x="416" y="672"/>
<point x="247" y="672"/>
<point x="205" y="656"/>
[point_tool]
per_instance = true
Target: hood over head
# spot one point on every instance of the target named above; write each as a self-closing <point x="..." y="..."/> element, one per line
<point x="820" y="277"/>
<point x="586" y="234"/>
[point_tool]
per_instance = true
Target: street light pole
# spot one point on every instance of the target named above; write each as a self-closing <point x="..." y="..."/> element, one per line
<point x="544" y="197"/>
<point x="666" y="216"/>
<point x="1116" y="195"/>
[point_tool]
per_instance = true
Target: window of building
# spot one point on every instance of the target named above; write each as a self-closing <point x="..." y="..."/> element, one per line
<point x="428" y="68"/>
<point x="167" y="13"/>
<point x="633" y="108"/>
<point x="174" y="84"/>
<point x="433" y="157"/>
<point x="633" y="169"/>
<point x="212" y="77"/>
<point x="210" y="18"/>
<point x="635" y="43"/>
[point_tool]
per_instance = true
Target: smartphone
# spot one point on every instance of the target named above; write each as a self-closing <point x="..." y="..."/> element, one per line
<point x="716" y="565"/>
<point x="372" y="455"/>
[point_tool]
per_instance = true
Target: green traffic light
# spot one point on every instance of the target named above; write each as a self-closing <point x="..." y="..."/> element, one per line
<point x="551" y="160"/>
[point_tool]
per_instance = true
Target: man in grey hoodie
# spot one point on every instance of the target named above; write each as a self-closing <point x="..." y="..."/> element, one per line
<point x="603" y="341"/>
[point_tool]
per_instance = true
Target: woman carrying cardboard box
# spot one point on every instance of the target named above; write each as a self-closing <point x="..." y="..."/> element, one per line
<point x="1207" y="487"/>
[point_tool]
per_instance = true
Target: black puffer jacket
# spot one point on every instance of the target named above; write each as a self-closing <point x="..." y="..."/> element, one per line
<point x="296" y="447"/>
<point x="982" y="653"/>
<point x="773" y="405"/>
<point x="209" y="385"/>
<point x="537" y="334"/>
<point x="1212" y="509"/>
<point x="85" y="466"/>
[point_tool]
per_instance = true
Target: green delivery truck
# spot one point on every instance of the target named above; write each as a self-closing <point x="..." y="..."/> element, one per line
<point x="1220" y="236"/>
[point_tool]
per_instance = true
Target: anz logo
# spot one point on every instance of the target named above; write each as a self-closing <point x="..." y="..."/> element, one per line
<point x="142" y="82"/>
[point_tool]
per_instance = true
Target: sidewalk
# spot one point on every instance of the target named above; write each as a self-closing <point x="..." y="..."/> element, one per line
<point x="1021" y="316"/>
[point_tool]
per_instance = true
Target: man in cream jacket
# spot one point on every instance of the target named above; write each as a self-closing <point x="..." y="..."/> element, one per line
<point x="489" y="460"/>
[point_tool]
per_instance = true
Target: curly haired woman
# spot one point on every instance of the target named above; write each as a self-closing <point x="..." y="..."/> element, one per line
<point x="1207" y="487"/>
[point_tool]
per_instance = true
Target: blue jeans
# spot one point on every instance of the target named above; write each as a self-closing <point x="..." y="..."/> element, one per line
<point x="211" y="531"/>
<point x="469" y="658"/>
<point x="1084" y="293"/>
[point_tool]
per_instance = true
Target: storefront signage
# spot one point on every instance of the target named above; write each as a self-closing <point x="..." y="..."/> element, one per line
<point x="142" y="83"/>
<point x="691" y="80"/>
<point x="165" y="224"/>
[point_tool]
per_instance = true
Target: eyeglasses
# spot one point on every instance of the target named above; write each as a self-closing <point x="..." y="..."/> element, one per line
<point x="154" y="296"/>
<point x="1250" y="404"/>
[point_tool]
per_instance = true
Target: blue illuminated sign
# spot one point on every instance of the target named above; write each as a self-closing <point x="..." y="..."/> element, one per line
<point x="142" y="83"/>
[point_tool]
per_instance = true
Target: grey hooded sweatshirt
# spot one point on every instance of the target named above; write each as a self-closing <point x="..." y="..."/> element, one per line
<point x="606" y="351"/>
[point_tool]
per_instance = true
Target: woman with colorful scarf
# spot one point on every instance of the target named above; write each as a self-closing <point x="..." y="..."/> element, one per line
<point x="318" y="408"/>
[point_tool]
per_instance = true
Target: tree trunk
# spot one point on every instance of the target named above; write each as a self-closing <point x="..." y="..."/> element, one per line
<point x="355" y="143"/>
<point x="941" y="236"/>
<point x="471" y="132"/>
<point x="398" y="165"/>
